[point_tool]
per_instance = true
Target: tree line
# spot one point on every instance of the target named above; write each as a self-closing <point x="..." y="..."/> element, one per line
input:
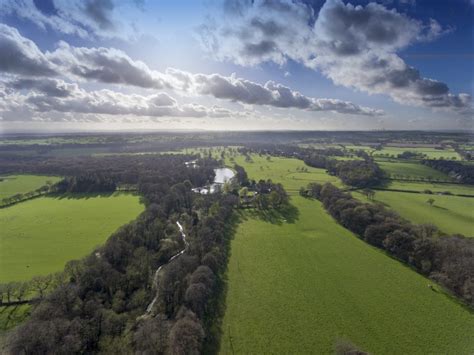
<point x="448" y="260"/>
<point x="463" y="173"/>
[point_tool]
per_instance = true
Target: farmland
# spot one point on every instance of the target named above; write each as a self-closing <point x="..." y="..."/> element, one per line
<point x="20" y="184"/>
<point x="299" y="287"/>
<point x="39" y="236"/>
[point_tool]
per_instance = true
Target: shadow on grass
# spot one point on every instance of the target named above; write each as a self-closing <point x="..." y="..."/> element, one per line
<point x="11" y="316"/>
<point x="284" y="214"/>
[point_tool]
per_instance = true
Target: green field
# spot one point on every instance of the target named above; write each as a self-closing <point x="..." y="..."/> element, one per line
<point x="20" y="184"/>
<point x="456" y="189"/>
<point x="39" y="236"/>
<point x="430" y="152"/>
<point x="451" y="214"/>
<point x="411" y="170"/>
<point x="299" y="287"/>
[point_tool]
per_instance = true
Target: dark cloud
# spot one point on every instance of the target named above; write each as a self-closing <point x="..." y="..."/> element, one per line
<point x="49" y="87"/>
<point x="100" y="11"/>
<point x="105" y="65"/>
<point x="19" y="55"/>
<point x="270" y="94"/>
<point x="259" y="49"/>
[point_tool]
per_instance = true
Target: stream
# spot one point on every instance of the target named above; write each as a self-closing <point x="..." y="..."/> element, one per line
<point x="157" y="272"/>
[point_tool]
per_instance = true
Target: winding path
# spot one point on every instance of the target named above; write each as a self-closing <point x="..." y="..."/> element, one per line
<point x="157" y="272"/>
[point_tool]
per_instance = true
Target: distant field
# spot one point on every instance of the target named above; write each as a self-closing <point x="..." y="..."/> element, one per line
<point x="359" y="147"/>
<point x="430" y="152"/>
<point x="299" y="287"/>
<point x="39" y="236"/>
<point x="20" y="184"/>
<point x="411" y="170"/>
<point x="451" y="214"/>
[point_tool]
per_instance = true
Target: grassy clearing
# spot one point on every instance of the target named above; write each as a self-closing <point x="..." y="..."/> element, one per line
<point x="298" y="287"/>
<point x="411" y="170"/>
<point x="20" y="184"/>
<point x="451" y="214"/>
<point x="39" y="236"/>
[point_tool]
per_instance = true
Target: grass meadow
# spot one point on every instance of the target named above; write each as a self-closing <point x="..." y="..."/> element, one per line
<point x="39" y="236"/>
<point x="20" y="184"/>
<point x="298" y="287"/>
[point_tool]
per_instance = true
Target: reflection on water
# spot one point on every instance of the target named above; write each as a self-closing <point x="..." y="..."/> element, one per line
<point x="222" y="176"/>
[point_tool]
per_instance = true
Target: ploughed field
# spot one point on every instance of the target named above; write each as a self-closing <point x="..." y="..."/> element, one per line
<point x="40" y="236"/>
<point x="298" y="285"/>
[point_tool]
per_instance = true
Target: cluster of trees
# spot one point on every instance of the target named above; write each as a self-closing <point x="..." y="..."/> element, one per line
<point x="89" y="183"/>
<point x="463" y="173"/>
<point x="99" y="303"/>
<point x="263" y="195"/>
<point x="358" y="173"/>
<point x="447" y="259"/>
<point x="410" y="155"/>
<point x="241" y="175"/>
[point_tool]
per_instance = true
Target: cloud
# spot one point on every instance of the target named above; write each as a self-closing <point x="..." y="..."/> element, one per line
<point x="53" y="95"/>
<point x="106" y="65"/>
<point x="269" y="94"/>
<point x="83" y="18"/>
<point x="19" y="55"/>
<point x="112" y="66"/>
<point x="100" y="12"/>
<point x="354" y="46"/>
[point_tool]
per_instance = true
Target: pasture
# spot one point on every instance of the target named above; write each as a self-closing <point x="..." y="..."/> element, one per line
<point x="298" y="287"/>
<point x="411" y="170"/>
<point x="20" y="184"/>
<point x="451" y="214"/>
<point x="39" y="236"/>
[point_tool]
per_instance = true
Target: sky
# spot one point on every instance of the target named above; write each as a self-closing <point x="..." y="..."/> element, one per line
<point x="100" y="65"/>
